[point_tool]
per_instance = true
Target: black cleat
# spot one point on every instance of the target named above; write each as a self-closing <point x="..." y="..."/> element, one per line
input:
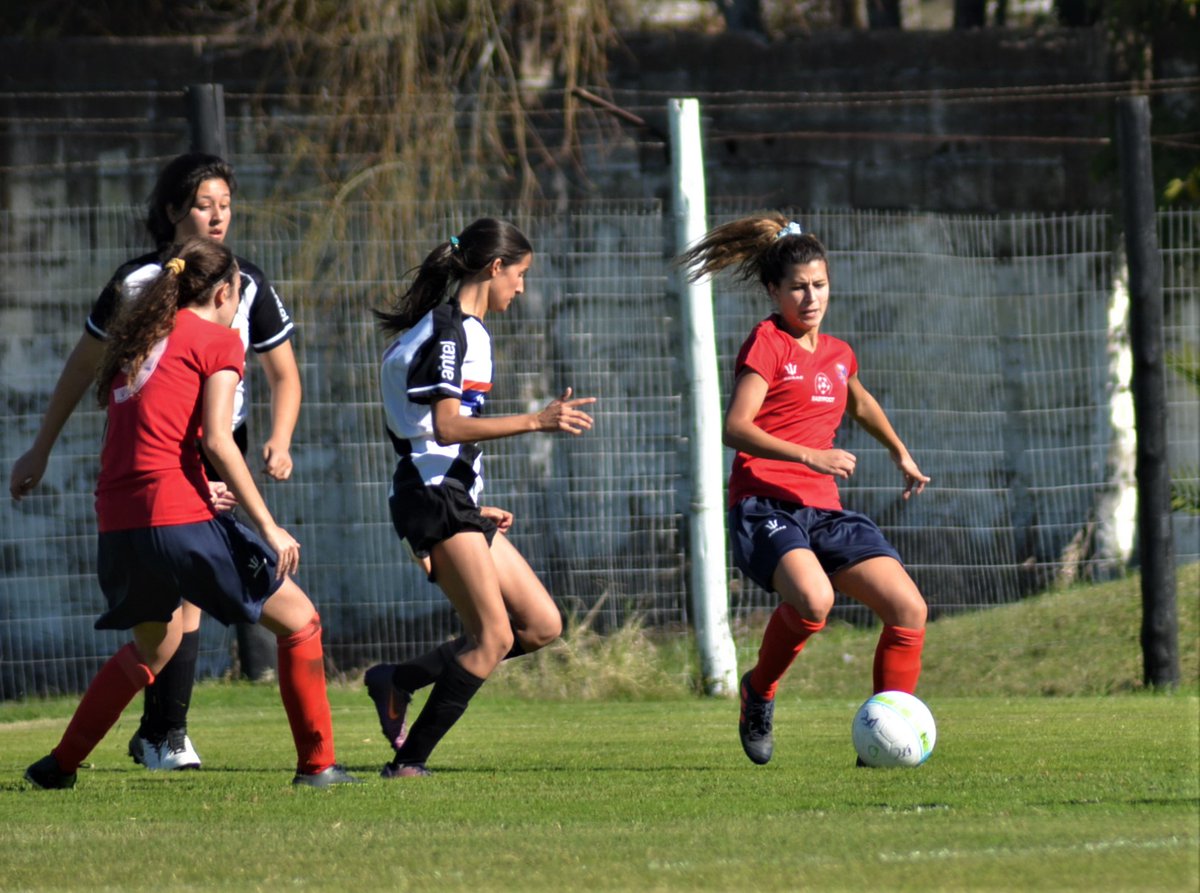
<point x="405" y="770"/>
<point x="755" y="723"/>
<point x="45" y="774"/>
<point x="335" y="774"/>
<point x="391" y="703"/>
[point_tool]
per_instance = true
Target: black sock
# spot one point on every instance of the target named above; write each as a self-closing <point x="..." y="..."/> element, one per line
<point x="428" y="668"/>
<point x="168" y="699"/>
<point x="517" y="648"/>
<point x="447" y="702"/>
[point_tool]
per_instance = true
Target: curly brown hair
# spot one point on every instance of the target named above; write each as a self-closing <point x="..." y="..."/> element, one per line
<point x="195" y="269"/>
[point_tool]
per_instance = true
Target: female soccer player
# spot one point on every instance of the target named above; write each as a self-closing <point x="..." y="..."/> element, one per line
<point x="434" y="380"/>
<point x="192" y="197"/>
<point x="788" y="529"/>
<point x="168" y="378"/>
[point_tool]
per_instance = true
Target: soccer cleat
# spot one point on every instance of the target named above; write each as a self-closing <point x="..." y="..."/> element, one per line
<point x="176" y="751"/>
<point x="335" y="774"/>
<point x="755" y="723"/>
<point x="45" y="774"/>
<point x="143" y="750"/>
<point x="405" y="770"/>
<point x="173" y="752"/>
<point x="391" y="703"/>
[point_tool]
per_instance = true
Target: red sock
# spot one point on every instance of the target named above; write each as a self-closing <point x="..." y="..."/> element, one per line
<point x="782" y="640"/>
<point x="302" y="689"/>
<point x="109" y="693"/>
<point x="898" y="659"/>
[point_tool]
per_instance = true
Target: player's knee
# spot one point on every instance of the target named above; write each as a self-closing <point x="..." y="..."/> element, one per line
<point x="495" y="643"/>
<point x="916" y="612"/>
<point x="542" y="632"/>
<point x="907" y="610"/>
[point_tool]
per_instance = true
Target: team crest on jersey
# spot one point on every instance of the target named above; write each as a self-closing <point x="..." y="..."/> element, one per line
<point x="822" y="389"/>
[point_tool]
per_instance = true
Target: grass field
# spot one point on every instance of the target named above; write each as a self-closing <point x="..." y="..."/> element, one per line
<point x="1094" y="788"/>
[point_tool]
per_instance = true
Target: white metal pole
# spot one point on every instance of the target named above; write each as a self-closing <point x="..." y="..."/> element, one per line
<point x="706" y="516"/>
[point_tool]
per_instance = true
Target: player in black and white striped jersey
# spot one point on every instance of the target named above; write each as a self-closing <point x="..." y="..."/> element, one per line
<point x="193" y="196"/>
<point x="436" y="376"/>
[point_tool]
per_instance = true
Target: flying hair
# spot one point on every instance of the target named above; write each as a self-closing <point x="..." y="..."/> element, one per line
<point x="761" y="246"/>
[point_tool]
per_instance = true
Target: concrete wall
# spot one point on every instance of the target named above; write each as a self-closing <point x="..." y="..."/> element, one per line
<point x="58" y="142"/>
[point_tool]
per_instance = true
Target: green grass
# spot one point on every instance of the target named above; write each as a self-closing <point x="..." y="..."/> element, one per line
<point x="603" y="786"/>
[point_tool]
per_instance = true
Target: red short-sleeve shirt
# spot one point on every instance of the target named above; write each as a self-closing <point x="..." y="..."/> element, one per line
<point x="150" y="469"/>
<point x="805" y="402"/>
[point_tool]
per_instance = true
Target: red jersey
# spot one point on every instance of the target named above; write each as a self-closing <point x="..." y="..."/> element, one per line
<point x="805" y="402"/>
<point x="150" y="469"/>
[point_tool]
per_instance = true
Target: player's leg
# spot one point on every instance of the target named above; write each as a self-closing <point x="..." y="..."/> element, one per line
<point x="883" y="585"/>
<point x="534" y="617"/>
<point x="806" y="598"/>
<point x="161" y="740"/>
<point x="290" y="615"/>
<point x="466" y="573"/>
<point x="111" y="690"/>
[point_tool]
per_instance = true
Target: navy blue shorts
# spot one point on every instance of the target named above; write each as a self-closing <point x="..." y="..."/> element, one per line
<point x="221" y="566"/>
<point x="424" y="516"/>
<point x="763" y="530"/>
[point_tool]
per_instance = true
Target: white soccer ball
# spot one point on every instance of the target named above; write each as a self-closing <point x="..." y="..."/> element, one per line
<point x="894" y="728"/>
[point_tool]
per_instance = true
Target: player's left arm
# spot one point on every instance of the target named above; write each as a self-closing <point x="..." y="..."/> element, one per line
<point x="283" y="378"/>
<point x="865" y="410"/>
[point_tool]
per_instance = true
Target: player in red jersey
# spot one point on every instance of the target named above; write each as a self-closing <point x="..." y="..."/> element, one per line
<point x="789" y="531"/>
<point x="168" y="378"/>
<point x="193" y="196"/>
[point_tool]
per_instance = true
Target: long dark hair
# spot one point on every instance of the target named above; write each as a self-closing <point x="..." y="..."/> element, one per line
<point x="762" y="246"/>
<point x="452" y="261"/>
<point x="176" y="187"/>
<point x="196" y="267"/>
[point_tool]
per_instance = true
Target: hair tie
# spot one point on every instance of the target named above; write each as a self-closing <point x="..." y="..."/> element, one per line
<point x="792" y="229"/>
<point x="454" y="243"/>
<point x="176" y="265"/>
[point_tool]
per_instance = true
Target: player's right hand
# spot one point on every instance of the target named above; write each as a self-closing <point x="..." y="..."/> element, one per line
<point x="838" y="463"/>
<point x="27" y="471"/>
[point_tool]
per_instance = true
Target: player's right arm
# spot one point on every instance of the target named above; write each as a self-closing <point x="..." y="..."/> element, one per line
<point x="742" y="433"/>
<point x="77" y="376"/>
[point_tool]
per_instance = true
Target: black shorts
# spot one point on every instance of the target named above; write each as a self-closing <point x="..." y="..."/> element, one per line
<point x="424" y="516"/>
<point x="763" y="530"/>
<point x="221" y="566"/>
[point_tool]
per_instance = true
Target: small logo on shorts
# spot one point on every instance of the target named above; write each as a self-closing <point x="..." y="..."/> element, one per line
<point x="255" y="564"/>
<point x="773" y="527"/>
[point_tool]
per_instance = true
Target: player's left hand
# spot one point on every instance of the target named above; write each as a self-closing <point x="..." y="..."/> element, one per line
<point x="277" y="461"/>
<point x="502" y="517"/>
<point x="222" y="498"/>
<point x="914" y="481"/>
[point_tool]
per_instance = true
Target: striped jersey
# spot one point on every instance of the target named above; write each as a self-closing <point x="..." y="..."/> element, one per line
<point x="446" y="354"/>
<point x="262" y="322"/>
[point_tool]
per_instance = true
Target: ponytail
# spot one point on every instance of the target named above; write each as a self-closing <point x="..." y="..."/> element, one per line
<point x="189" y="277"/>
<point x="762" y="246"/>
<point x="451" y="261"/>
